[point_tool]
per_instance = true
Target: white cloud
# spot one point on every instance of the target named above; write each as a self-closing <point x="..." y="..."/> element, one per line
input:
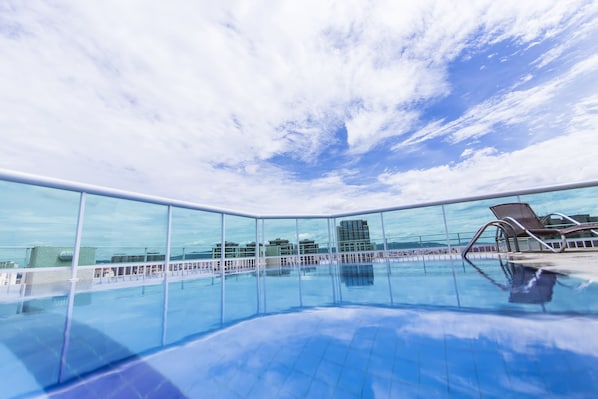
<point x="564" y="159"/>
<point x="190" y="100"/>
<point x="514" y="107"/>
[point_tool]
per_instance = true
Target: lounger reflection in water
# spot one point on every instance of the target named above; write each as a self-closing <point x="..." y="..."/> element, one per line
<point x="524" y="284"/>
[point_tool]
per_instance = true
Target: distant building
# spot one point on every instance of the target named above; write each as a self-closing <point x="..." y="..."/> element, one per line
<point x="280" y="247"/>
<point x="234" y="250"/>
<point x="247" y="251"/>
<point x="231" y="250"/>
<point x="280" y="252"/>
<point x="56" y="280"/>
<point x="149" y="257"/>
<point x="308" y="250"/>
<point x="284" y="251"/>
<point x="60" y="256"/>
<point x="354" y="236"/>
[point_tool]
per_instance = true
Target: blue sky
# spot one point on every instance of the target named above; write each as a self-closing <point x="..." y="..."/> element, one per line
<point x="310" y="107"/>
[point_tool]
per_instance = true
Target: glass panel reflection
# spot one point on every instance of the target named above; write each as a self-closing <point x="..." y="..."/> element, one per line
<point x="316" y="266"/>
<point x="415" y="231"/>
<point x="241" y="299"/>
<point x="465" y="218"/>
<point x="194" y="234"/>
<point x="117" y="233"/>
<point x="580" y="203"/>
<point x="36" y="217"/>
<point x="38" y="227"/>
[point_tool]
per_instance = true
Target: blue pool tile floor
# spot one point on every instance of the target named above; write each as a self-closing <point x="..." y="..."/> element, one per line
<point x="366" y="352"/>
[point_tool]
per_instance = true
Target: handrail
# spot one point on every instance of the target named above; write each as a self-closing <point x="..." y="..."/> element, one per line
<point x="20" y="177"/>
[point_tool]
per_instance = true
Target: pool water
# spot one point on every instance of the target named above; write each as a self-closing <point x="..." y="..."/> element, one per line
<point x="367" y="352"/>
<point x="432" y="329"/>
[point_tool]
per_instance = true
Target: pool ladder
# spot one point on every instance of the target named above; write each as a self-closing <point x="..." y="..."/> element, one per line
<point x="504" y="230"/>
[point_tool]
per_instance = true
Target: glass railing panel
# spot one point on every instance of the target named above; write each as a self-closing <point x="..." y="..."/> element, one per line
<point x="123" y="232"/>
<point x="413" y="230"/>
<point x="37" y="230"/>
<point x="465" y="218"/>
<point x="240" y="236"/>
<point x="36" y="217"/>
<point x="579" y="203"/>
<point x="194" y="234"/>
<point x="409" y="246"/>
<point x="314" y="237"/>
<point x="193" y="307"/>
<point x="101" y="334"/>
<point x="280" y="236"/>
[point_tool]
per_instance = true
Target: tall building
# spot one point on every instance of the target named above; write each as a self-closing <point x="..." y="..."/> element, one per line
<point x="281" y="251"/>
<point x="248" y="251"/>
<point x="231" y="250"/>
<point x="354" y="236"/>
<point x="280" y="247"/>
<point x="234" y="250"/>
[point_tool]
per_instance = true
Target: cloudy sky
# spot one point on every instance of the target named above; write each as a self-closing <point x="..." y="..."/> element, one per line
<point x="301" y="107"/>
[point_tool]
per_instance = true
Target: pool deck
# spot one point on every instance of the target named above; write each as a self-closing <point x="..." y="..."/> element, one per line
<point x="581" y="263"/>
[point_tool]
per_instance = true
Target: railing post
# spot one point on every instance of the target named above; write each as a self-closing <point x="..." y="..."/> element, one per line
<point x="387" y="260"/>
<point x="331" y="263"/>
<point x="222" y="260"/>
<point x="166" y="272"/>
<point x="337" y="261"/>
<point x="298" y="263"/>
<point x="257" y="265"/>
<point x="72" y="287"/>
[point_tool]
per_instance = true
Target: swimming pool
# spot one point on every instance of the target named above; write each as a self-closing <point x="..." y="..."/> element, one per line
<point x="409" y="329"/>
